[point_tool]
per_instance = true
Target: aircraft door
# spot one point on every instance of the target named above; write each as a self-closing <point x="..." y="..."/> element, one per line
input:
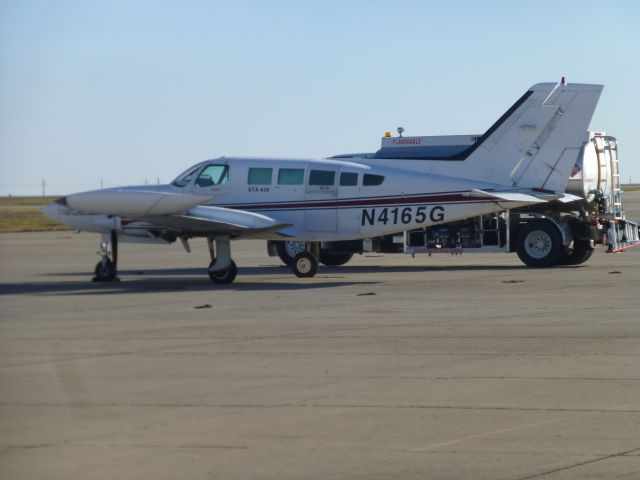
<point x="321" y="193"/>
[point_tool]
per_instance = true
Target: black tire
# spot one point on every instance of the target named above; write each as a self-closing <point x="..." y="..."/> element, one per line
<point x="539" y="244"/>
<point x="289" y="249"/>
<point x="304" y="265"/>
<point x="582" y="251"/>
<point x="105" y="271"/>
<point x="225" y="276"/>
<point x="335" y="259"/>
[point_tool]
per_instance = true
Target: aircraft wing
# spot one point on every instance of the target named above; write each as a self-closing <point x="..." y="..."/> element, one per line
<point x="211" y="221"/>
<point x="133" y="201"/>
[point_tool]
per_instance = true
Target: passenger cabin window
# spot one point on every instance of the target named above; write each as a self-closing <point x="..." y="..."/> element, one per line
<point x="291" y="176"/>
<point x="348" y="179"/>
<point x="370" y="180"/>
<point x="322" y="177"/>
<point x="213" y="175"/>
<point x="260" y="176"/>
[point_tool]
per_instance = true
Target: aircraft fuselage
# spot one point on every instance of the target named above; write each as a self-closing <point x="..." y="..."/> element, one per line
<point x="319" y="199"/>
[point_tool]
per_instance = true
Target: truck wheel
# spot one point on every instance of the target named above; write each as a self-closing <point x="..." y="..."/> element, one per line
<point x="335" y="259"/>
<point x="289" y="249"/>
<point x="582" y="251"/>
<point x="539" y="244"/>
<point x="304" y="265"/>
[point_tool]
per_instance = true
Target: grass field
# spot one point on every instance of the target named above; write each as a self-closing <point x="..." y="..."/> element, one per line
<point x="22" y="214"/>
<point x="25" y="201"/>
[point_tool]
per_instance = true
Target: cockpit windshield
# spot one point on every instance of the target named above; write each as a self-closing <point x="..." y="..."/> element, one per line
<point x="185" y="177"/>
<point x="213" y="175"/>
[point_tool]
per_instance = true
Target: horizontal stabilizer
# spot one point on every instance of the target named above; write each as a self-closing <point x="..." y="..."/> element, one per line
<point x="560" y="197"/>
<point x="517" y="197"/>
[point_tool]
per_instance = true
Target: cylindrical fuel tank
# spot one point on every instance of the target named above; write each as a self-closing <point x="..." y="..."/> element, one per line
<point x="594" y="167"/>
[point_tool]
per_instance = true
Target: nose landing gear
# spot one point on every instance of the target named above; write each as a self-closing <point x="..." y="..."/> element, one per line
<point x="107" y="268"/>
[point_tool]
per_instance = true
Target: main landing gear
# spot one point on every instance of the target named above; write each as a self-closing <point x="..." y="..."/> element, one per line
<point x="304" y="265"/>
<point x="222" y="268"/>
<point x="305" y="261"/>
<point x="287" y="250"/>
<point x="303" y="257"/>
<point x="107" y="268"/>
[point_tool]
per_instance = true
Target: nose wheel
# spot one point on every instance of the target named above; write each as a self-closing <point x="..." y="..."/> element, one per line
<point x="107" y="268"/>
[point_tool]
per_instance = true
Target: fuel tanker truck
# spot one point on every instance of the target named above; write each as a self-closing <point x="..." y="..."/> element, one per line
<point x="561" y="232"/>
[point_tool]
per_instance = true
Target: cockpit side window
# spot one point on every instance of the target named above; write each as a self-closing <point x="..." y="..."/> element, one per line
<point x="184" y="179"/>
<point x="213" y="175"/>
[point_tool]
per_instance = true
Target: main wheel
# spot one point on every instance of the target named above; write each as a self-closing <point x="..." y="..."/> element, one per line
<point x="335" y="259"/>
<point x="224" y="276"/>
<point x="105" y="271"/>
<point x="304" y="265"/>
<point x="582" y="251"/>
<point x="288" y="249"/>
<point x="539" y="244"/>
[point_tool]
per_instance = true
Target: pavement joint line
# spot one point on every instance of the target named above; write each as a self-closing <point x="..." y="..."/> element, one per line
<point x="349" y="377"/>
<point x="315" y="406"/>
<point x="159" y="352"/>
<point x="157" y="349"/>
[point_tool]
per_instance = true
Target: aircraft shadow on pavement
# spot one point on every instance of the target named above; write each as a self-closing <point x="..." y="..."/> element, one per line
<point x="196" y="279"/>
<point x="176" y="280"/>
<point x="286" y="271"/>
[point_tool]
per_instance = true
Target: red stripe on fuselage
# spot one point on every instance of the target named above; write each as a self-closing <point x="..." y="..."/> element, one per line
<point x="361" y="202"/>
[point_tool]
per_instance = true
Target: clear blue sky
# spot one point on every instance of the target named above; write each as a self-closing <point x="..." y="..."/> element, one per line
<point x="132" y="89"/>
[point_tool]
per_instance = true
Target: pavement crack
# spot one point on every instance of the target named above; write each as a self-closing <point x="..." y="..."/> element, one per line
<point x="580" y="464"/>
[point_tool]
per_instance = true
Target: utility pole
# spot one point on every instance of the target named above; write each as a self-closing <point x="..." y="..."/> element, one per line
<point x="44" y="186"/>
<point x="101" y="184"/>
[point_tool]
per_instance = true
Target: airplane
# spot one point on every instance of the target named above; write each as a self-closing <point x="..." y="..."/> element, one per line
<point x="524" y="158"/>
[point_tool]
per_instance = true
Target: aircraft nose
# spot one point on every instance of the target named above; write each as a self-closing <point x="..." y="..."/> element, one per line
<point x="53" y="210"/>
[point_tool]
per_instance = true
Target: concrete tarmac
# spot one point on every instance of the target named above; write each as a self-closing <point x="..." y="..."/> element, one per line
<point x="470" y="367"/>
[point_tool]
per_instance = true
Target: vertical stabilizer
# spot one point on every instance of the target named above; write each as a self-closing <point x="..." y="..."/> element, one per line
<point x="548" y="162"/>
<point x="536" y="143"/>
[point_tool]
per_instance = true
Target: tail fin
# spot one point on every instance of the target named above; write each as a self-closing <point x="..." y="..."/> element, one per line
<point x="535" y="144"/>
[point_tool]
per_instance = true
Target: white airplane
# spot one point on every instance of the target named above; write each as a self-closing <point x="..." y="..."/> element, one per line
<point x="524" y="158"/>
